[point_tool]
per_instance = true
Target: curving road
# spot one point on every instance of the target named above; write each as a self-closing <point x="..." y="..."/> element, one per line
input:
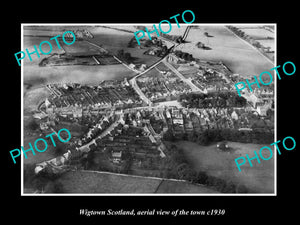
<point x="85" y="148"/>
<point x="134" y="85"/>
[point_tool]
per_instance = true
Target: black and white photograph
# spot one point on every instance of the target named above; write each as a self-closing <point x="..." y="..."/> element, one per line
<point x="159" y="116"/>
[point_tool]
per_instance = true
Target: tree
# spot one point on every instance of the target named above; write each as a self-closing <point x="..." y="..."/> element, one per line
<point x="202" y="177"/>
<point x="33" y="125"/>
<point x="192" y="136"/>
<point x="190" y="175"/>
<point x="29" y="174"/>
<point x="226" y="134"/>
<point x="59" y="149"/>
<point x="120" y="53"/>
<point x="220" y="184"/>
<point x="270" y="114"/>
<point x="182" y="170"/>
<point x="229" y="187"/>
<point x="241" y="189"/>
<point x="148" y="43"/>
<point x="54" y="187"/>
<point x="90" y="159"/>
<point x="211" y="181"/>
<point x="39" y="182"/>
<point x="169" y="136"/>
<point x="128" y="162"/>
<point x="203" y="138"/>
<point x="127" y="56"/>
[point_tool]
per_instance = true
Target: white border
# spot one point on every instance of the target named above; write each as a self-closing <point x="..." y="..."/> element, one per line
<point x="150" y="194"/>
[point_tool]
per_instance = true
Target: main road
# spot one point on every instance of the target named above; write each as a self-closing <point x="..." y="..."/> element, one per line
<point x="133" y="83"/>
<point x="163" y="59"/>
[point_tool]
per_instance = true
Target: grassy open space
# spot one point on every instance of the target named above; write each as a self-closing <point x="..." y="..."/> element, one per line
<point x="170" y="186"/>
<point x="239" y="56"/>
<point x="268" y="43"/>
<point x="114" y="40"/>
<point x="36" y="76"/>
<point x="91" y="75"/>
<point x="258" y="33"/>
<point x="33" y="97"/>
<point x="259" y="178"/>
<point x="93" y="182"/>
<point x="51" y="151"/>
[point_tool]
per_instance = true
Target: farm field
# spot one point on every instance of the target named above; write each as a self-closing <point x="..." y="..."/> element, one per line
<point x="29" y="42"/>
<point x="93" y="182"/>
<point x="259" y="178"/>
<point x="110" y="39"/>
<point x="32" y="97"/>
<point x="50" y="30"/>
<point x="258" y="33"/>
<point x="268" y="43"/>
<point x="41" y="156"/>
<point x="239" y="56"/>
<point x="74" y="74"/>
<point x="114" y="40"/>
<point x="82" y="48"/>
<point x="170" y="186"/>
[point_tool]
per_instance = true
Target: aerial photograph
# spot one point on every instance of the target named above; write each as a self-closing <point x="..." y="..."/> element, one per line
<point x="162" y="117"/>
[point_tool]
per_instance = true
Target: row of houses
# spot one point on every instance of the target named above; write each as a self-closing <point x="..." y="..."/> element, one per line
<point x="77" y="100"/>
<point x="162" y="85"/>
<point x="192" y="119"/>
<point x="207" y="76"/>
<point x="140" y="131"/>
<point x="137" y="140"/>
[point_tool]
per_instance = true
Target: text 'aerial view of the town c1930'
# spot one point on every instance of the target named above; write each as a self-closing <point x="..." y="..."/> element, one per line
<point x="157" y="118"/>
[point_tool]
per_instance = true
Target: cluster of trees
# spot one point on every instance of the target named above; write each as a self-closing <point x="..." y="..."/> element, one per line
<point x="179" y="168"/>
<point x="214" y="99"/>
<point x="149" y="163"/>
<point x="32" y="125"/>
<point x="159" y="52"/>
<point x="132" y="43"/>
<point x="101" y="161"/>
<point x="221" y="185"/>
<point x="43" y="181"/>
<point x="184" y="55"/>
<point x="199" y="44"/>
<point x="154" y="42"/>
<point x="251" y="40"/>
<point x="175" y="166"/>
<point x="97" y="160"/>
<point x="125" y="56"/>
<point x="209" y="136"/>
<point x="238" y="31"/>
